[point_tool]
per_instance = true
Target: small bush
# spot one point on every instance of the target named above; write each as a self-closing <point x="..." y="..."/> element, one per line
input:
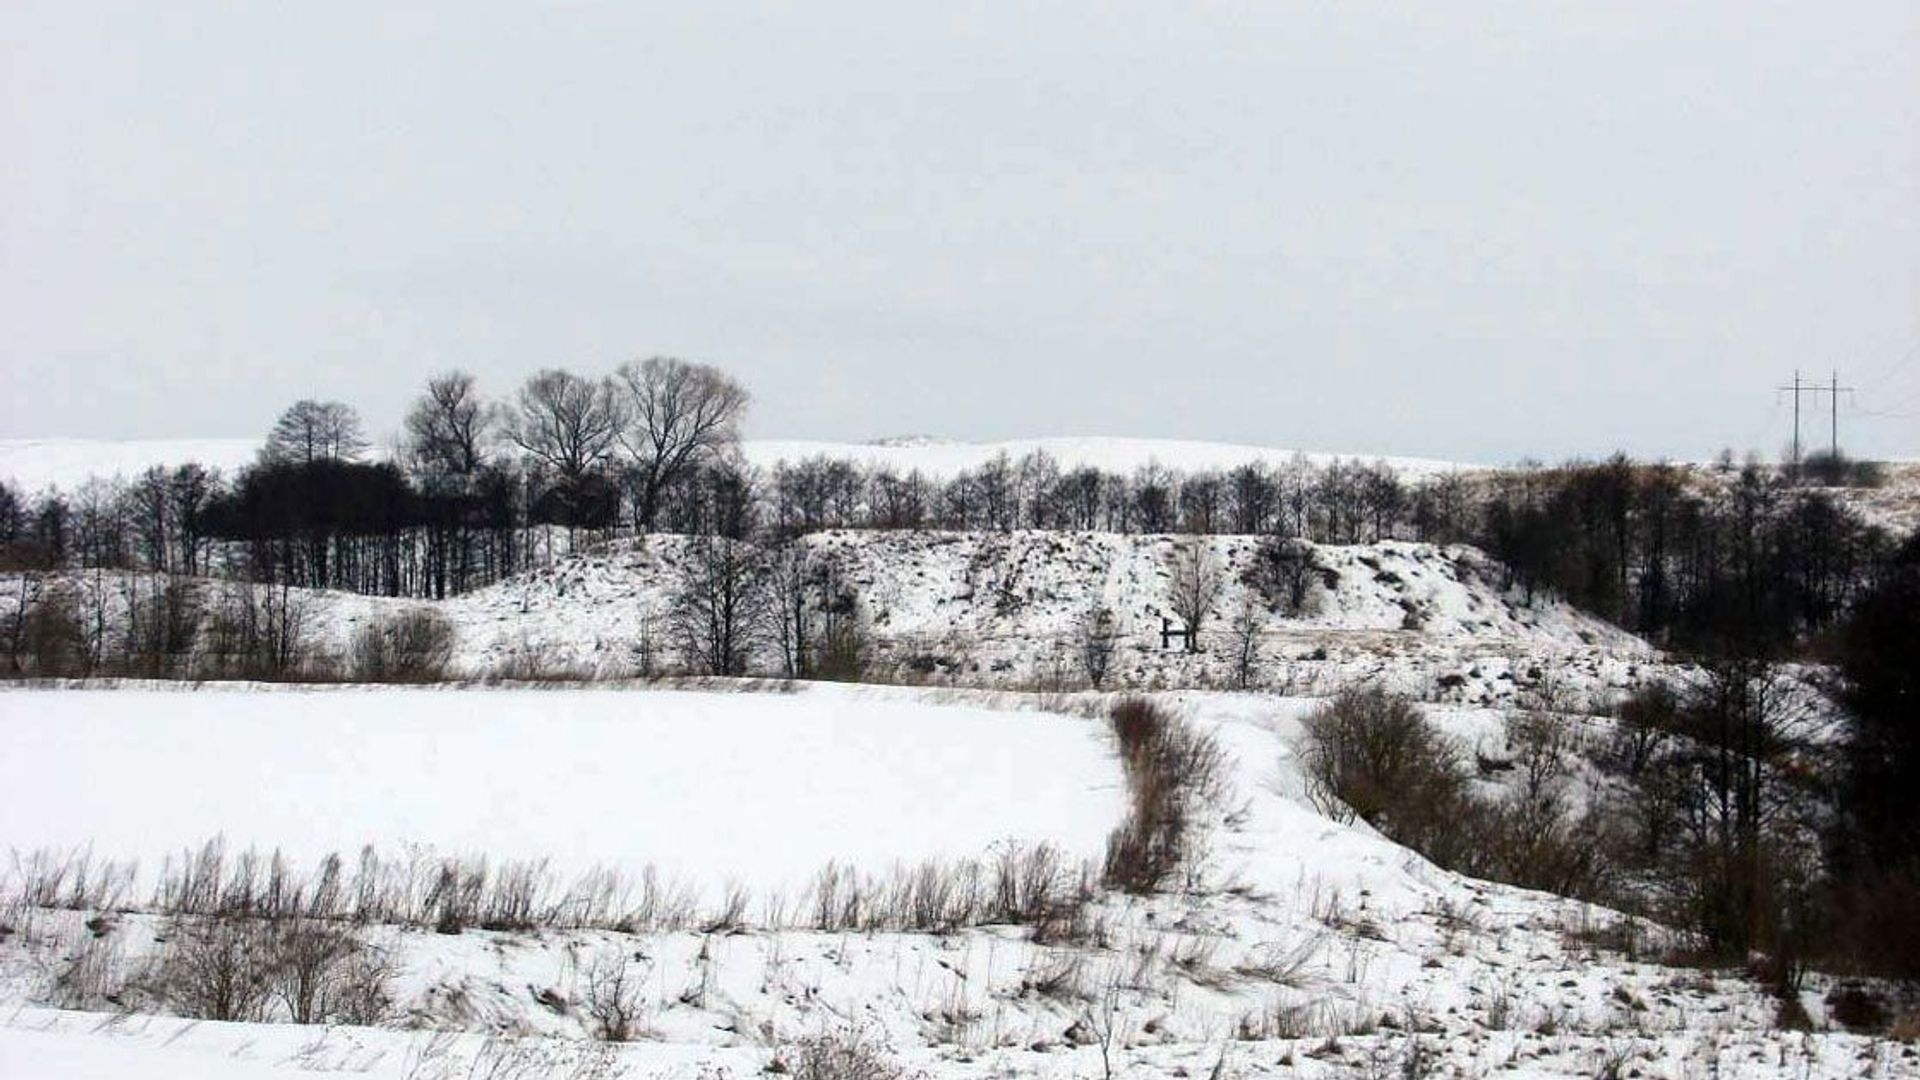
<point x="96" y="975"/>
<point x="1173" y="772"/>
<point x="614" y="998"/>
<point x="843" y="1055"/>
<point x="323" y="971"/>
<point x="1858" y="1009"/>
<point x="415" y="646"/>
<point x="1373" y="755"/>
<point x="215" y="969"/>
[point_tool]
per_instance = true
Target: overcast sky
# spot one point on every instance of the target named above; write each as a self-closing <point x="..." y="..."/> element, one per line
<point x="1472" y="230"/>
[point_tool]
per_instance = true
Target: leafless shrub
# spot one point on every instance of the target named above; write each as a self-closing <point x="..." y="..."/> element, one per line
<point x="1057" y="975"/>
<point x="1173" y="772"/>
<point x="95" y="976"/>
<point x="52" y="639"/>
<point x="438" y="1057"/>
<point x="1106" y="1023"/>
<point x="530" y="661"/>
<point x="1281" y="573"/>
<point x="324" y="971"/>
<point x="839" y="1055"/>
<point x="262" y="632"/>
<point x="1031" y="886"/>
<point x="163" y="626"/>
<point x="215" y="969"/>
<point x="70" y="879"/>
<point x="719" y="605"/>
<point x="732" y="914"/>
<point x="361" y="994"/>
<point x="613" y="997"/>
<point x="1644" y="723"/>
<point x="1098" y="638"/>
<point x="1372" y="754"/>
<point x="414" y="646"/>
<point x="1283" y="962"/>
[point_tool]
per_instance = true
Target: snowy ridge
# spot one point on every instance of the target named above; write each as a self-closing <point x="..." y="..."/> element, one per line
<point x="1006" y="609"/>
<point x="942" y="459"/>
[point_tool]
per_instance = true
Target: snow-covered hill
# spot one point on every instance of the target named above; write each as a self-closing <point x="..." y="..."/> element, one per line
<point x="1012" y="609"/>
<point x="34" y="464"/>
<point x="1009" y="609"/>
<point x="943" y="458"/>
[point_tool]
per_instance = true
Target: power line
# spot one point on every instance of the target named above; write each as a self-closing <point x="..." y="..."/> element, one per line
<point x="1873" y="383"/>
<point x="1833" y="389"/>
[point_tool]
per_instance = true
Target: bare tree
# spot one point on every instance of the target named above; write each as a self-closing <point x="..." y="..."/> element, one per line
<point x="1281" y="572"/>
<point x="719" y="605"/>
<point x="565" y="422"/>
<point x="1244" y="630"/>
<point x="313" y="431"/>
<point x="615" y="995"/>
<point x="190" y="491"/>
<point x="447" y="428"/>
<point x="794" y="585"/>
<point x="676" y="414"/>
<point x="1194" y="587"/>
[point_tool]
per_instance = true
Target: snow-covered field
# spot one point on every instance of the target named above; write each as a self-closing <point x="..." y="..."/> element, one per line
<point x="758" y="789"/>
<point x="1305" y="947"/>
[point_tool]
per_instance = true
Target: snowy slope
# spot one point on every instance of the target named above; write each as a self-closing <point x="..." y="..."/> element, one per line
<point x="1307" y="947"/>
<point x="1004" y="609"/>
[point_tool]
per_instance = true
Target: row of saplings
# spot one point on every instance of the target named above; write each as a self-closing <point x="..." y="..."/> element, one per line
<point x="178" y="628"/>
<point x="308" y="971"/>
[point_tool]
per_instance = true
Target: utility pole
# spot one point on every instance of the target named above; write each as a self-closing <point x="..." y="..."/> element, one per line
<point x="1795" y="389"/>
<point x="1833" y="399"/>
<point x="1833" y="390"/>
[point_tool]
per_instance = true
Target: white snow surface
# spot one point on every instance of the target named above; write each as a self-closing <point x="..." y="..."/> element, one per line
<point x="709" y="789"/>
<point x="1295" y="928"/>
<point x="34" y="464"/>
<point x="943" y="458"/>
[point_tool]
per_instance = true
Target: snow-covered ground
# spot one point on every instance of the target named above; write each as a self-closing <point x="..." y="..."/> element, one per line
<point x="945" y="458"/>
<point x="707" y="789"/>
<point x="1306" y="947"/>
<point x="34" y="464"/>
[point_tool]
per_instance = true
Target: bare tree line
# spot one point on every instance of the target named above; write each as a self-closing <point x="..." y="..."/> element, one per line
<point x="482" y="489"/>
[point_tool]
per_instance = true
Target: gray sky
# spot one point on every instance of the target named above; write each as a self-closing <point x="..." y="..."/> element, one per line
<point x="1470" y="230"/>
